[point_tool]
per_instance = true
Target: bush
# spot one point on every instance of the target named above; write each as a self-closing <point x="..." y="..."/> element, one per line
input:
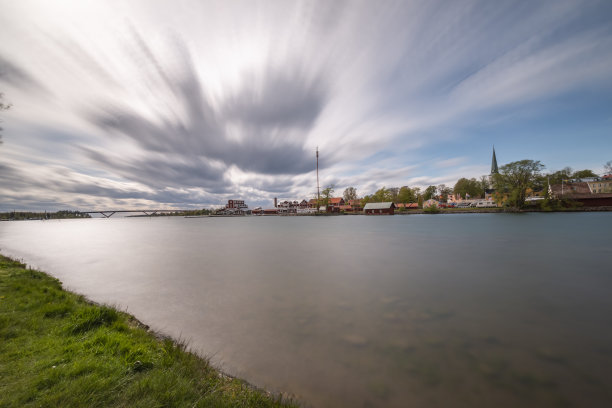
<point x="432" y="210"/>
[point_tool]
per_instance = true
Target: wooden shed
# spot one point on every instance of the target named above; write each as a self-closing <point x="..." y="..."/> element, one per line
<point x="379" y="208"/>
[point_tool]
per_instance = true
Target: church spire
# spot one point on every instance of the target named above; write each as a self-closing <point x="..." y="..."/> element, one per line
<point x="494" y="169"/>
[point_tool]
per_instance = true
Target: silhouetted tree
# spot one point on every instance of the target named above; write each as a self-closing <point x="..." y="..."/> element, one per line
<point x="350" y="193"/>
<point x="429" y="192"/>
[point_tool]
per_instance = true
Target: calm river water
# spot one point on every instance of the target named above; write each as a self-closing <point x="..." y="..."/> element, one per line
<point x="472" y="310"/>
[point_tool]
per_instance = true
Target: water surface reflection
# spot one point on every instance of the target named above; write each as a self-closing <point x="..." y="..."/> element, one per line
<point x="455" y="310"/>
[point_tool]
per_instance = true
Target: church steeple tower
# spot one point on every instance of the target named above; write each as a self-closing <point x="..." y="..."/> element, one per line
<point x="494" y="169"/>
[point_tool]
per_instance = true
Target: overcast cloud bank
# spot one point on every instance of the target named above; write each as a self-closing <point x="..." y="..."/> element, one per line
<point x="180" y="104"/>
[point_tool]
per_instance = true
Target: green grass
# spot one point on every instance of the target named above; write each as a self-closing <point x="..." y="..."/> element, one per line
<point x="58" y="350"/>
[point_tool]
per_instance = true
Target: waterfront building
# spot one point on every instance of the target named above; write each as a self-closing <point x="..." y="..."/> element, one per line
<point x="336" y="202"/>
<point x="238" y="204"/>
<point x="590" y="194"/>
<point x="601" y="185"/>
<point x="379" y="208"/>
<point x="431" y="203"/>
<point x="234" y="207"/>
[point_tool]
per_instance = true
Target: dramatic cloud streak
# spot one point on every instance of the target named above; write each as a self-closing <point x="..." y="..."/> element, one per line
<point x="190" y="103"/>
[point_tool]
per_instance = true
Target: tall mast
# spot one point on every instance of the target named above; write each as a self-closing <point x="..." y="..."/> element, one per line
<point x="318" y="193"/>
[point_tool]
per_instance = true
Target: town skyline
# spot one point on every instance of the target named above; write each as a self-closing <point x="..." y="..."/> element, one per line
<point x="130" y="105"/>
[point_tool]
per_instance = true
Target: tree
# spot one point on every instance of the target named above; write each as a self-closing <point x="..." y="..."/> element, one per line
<point x="444" y="192"/>
<point x="429" y="192"/>
<point x="559" y="176"/>
<point x="468" y="188"/>
<point x="393" y="192"/>
<point x="516" y="178"/>
<point x="608" y="167"/>
<point x="583" y="174"/>
<point x="382" y="195"/>
<point x="485" y="184"/>
<point x="3" y="107"/>
<point x="350" y="194"/>
<point x="326" y="194"/>
<point x="406" y="195"/>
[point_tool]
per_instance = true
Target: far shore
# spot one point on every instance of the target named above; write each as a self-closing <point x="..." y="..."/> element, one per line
<point x="498" y="210"/>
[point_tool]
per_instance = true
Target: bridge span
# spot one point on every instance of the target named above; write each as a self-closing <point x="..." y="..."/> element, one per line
<point x="110" y="213"/>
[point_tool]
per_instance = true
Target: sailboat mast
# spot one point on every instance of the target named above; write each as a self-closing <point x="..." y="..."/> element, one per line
<point x="318" y="192"/>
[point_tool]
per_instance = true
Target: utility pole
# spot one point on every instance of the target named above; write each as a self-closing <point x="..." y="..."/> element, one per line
<point x="318" y="192"/>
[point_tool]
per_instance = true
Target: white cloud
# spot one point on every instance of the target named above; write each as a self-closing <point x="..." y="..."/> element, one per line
<point x="205" y="100"/>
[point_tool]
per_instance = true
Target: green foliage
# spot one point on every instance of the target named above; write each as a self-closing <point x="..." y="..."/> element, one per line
<point x="444" y="192"/>
<point x="469" y="188"/>
<point x="583" y="174"/>
<point x="406" y="195"/>
<point x="515" y="179"/>
<point x="57" y="350"/>
<point x="550" y="204"/>
<point x="432" y="210"/>
<point x="382" y="195"/>
<point x="326" y="194"/>
<point x="26" y="215"/>
<point x="92" y="317"/>
<point x="559" y="176"/>
<point x="190" y="213"/>
<point x="429" y="193"/>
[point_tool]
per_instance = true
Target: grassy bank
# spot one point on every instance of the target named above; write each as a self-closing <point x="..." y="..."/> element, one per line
<point x="58" y="350"/>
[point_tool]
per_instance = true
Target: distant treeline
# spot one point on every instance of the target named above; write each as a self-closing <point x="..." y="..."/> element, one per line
<point x="27" y="215"/>
<point x="203" y="211"/>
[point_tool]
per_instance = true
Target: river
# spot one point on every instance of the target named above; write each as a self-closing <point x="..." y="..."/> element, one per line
<point x="466" y="310"/>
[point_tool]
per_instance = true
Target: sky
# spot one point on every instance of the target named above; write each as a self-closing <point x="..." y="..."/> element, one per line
<point x="186" y="104"/>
